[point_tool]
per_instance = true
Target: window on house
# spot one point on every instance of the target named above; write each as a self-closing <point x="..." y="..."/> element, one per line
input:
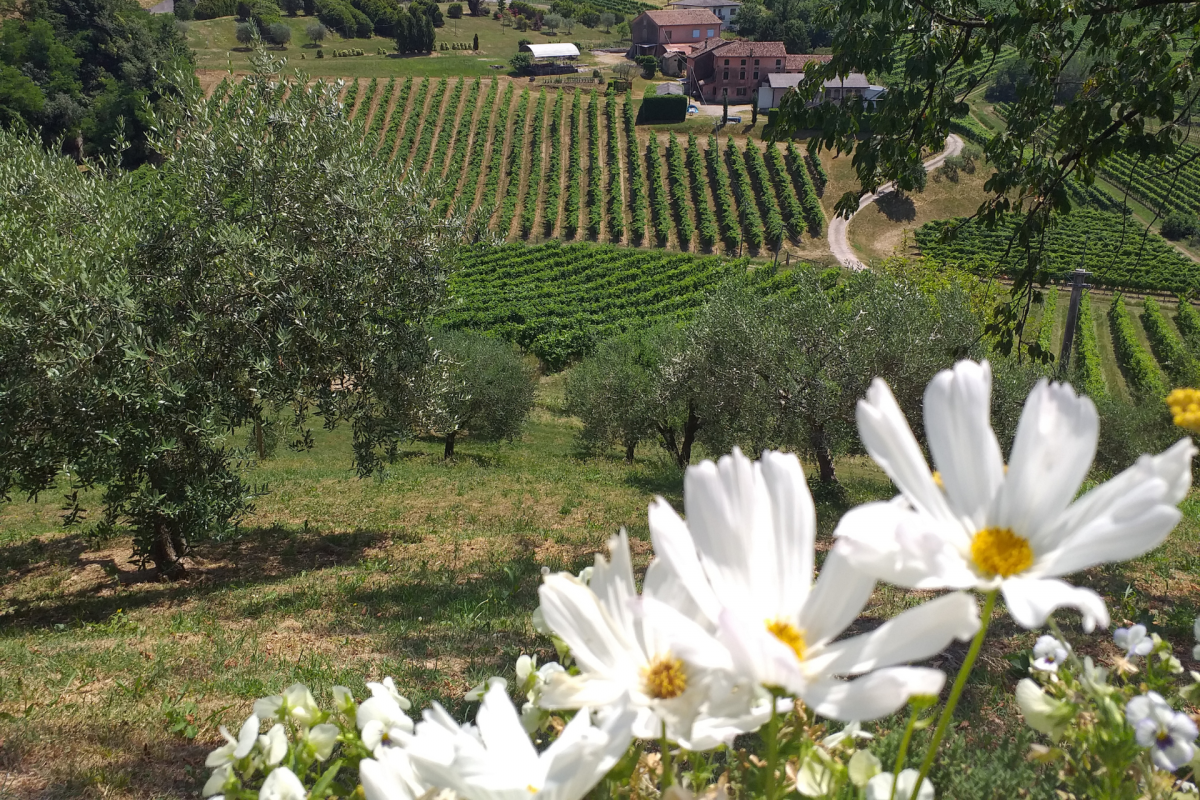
<point x="779" y="62"/>
<point x="755" y="74"/>
<point x="695" y="33"/>
<point x="710" y="33"/>
<point x="756" y="62"/>
<point x="741" y="92"/>
<point x="727" y="62"/>
<point x="742" y="76"/>
<point x="726" y="75"/>
<point x="668" y="36"/>
<point x="743" y="62"/>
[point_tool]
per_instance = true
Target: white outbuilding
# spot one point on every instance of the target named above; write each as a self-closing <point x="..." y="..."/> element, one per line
<point x="551" y="52"/>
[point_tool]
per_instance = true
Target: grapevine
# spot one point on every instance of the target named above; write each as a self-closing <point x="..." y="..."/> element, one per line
<point x="752" y="225"/>
<point x="679" y="191"/>
<point x="534" y="190"/>
<point x="730" y="230"/>
<point x="1140" y="370"/>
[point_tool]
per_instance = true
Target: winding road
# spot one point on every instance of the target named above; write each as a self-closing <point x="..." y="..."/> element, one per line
<point x="839" y="244"/>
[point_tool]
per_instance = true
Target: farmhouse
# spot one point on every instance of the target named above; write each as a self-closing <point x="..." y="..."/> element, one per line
<point x="725" y="9"/>
<point x="654" y="31"/>
<point x="836" y="89"/>
<point x="735" y="69"/>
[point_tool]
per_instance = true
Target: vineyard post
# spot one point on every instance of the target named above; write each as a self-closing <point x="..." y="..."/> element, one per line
<point x="1077" y="287"/>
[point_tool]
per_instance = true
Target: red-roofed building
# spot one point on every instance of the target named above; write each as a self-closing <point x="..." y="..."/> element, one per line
<point x="653" y="31"/>
<point x="737" y="68"/>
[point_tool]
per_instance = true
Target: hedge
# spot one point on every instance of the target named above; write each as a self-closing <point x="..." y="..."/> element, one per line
<point x="662" y="109"/>
<point x="211" y="9"/>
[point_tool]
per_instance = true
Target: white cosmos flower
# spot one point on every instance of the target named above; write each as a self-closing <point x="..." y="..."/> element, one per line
<point x="1168" y="733"/>
<point x="282" y="784"/>
<point x="235" y="749"/>
<point x="880" y="787"/>
<point x="972" y="525"/>
<point x="1048" y="653"/>
<point x="1133" y="641"/>
<point x="494" y="760"/>
<point x="642" y="647"/>
<point x="746" y="557"/>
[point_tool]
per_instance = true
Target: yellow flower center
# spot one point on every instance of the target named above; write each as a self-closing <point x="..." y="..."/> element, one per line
<point x="665" y="678"/>
<point x="787" y="633"/>
<point x="531" y="788"/>
<point x="999" y="551"/>
<point x="937" y="478"/>
<point x="1185" y="408"/>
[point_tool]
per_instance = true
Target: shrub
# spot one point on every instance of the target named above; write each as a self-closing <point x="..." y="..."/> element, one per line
<point x="1180" y="225"/>
<point x="454" y="11"/>
<point x="212" y="9"/>
<point x="320" y="53"/>
<point x="185" y="10"/>
<point x="279" y="33"/>
<point x="292" y="7"/>
<point x="649" y="65"/>
<point x="522" y="63"/>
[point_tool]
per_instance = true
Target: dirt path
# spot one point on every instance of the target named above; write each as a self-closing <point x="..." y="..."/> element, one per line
<point x="839" y="244"/>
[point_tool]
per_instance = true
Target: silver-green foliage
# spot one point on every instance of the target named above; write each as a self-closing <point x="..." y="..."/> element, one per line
<point x="269" y="263"/>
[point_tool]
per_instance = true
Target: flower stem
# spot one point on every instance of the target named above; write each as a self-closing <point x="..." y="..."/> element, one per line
<point x="908" y="732"/>
<point x="667" y="762"/>
<point x="985" y="618"/>
<point x="772" y="750"/>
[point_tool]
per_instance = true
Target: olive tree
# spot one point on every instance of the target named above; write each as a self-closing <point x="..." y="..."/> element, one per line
<point x="268" y="263"/>
<point x="477" y="385"/>
<point x="611" y="392"/>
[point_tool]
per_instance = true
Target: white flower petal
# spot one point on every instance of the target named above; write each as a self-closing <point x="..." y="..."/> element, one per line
<point x="381" y="783"/>
<point x="759" y="654"/>
<point x="673" y="544"/>
<point x="216" y="781"/>
<point x="913" y="635"/>
<point x="574" y="613"/>
<point x="282" y="784"/>
<point x="497" y="720"/>
<point x="839" y="596"/>
<point x="958" y="424"/>
<point x="1055" y="443"/>
<point x="898" y="545"/>
<point x="1031" y="600"/>
<point x="880" y="787"/>
<point x="872" y="696"/>
<point x="612" y="582"/>
<point x="794" y="528"/>
<point x="888" y="439"/>
<point x="247" y="738"/>
<point x="1125" y="517"/>
<point x="728" y="516"/>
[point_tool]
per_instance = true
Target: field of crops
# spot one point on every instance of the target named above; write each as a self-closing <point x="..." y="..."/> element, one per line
<point x="537" y="164"/>
<point x="1117" y="250"/>
<point x="1161" y="185"/>
<point x="557" y="301"/>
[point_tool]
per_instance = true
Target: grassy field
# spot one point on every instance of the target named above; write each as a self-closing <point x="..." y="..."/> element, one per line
<point x="216" y="47"/>
<point x="111" y="686"/>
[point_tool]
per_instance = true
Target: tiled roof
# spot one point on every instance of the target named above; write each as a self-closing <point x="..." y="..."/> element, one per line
<point x="795" y="62"/>
<point x="742" y="48"/>
<point x="705" y="3"/>
<point x="684" y="16"/>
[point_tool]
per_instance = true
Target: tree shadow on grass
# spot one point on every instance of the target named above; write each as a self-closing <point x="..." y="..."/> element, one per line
<point x="658" y="476"/>
<point x="897" y="207"/>
<point x="261" y="556"/>
<point x="137" y="761"/>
